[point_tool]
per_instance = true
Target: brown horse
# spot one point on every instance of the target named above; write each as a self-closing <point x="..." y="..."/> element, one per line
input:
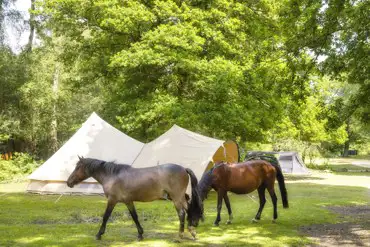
<point x="243" y="178"/>
<point x="122" y="183"/>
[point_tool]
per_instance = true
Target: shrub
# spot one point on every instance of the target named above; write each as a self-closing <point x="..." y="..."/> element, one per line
<point x="324" y="166"/>
<point x="21" y="164"/>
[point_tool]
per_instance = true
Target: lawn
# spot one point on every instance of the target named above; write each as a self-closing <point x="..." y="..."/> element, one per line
<point x="43" y="220"/>
<point x="349" y="170"/>
<point x="345" y="166"/>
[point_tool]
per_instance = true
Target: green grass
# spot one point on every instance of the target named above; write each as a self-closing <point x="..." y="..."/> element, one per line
<point x="41" y="220"/>
<point x="348" y="169"/>
<point x="362" y="157"/>
<point x="342" y="169"/>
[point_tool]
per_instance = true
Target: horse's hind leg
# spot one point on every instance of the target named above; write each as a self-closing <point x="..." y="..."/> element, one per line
<point x="227" y="202"/>
<point x="133" y="213"/>
<point x="274" y="201"/>
<point x="181" y="213"/>
<point x="261" y="195"/>
<point x="106" y="216"/>
<point x="181" y="207"/>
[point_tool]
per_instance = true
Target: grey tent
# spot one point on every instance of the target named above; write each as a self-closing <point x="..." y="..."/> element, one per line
<point x="290" y="162"/>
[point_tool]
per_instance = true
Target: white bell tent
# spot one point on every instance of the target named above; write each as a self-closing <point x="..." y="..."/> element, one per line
<point x="95" y="139"/>
<point x="188" y="149"/>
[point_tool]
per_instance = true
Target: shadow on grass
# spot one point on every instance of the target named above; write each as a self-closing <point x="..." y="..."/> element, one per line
<point x="117" y="235"/>
<point x="36" y="220"/>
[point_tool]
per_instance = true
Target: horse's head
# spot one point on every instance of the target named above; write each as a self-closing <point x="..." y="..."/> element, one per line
<point x="79" y="174"/>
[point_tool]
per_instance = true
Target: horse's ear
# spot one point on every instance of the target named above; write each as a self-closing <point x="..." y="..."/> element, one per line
<point x="80" y="158"/>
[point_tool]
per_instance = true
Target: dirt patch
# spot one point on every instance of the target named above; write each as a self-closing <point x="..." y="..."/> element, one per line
<point x="354" y="232"/>
<point x="356" y="211"/>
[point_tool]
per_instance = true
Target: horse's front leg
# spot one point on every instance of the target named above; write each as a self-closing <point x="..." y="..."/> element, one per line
<point x="220" y="196"/>
<point x="227" y="202"/>
<point x="133" y="213"/>
<point x="108" y="211"/>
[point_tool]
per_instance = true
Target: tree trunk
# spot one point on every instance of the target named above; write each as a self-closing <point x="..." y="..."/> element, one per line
<point x="304" y="153"/>
<point x="32" y="28"/>
<point x="346" y="144"/>
<point x="2" y="24"/>
<point x="54" y="123"/>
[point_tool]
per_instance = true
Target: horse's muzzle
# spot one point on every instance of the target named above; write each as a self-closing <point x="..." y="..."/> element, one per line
<point x="69" y="184"/>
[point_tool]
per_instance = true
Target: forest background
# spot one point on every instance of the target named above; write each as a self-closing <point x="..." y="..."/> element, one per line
<point x="270" y="74"/>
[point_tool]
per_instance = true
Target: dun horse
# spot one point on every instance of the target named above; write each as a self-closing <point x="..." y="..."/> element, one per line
<point x="122" y="183"/>
<point x="243" y="178"/>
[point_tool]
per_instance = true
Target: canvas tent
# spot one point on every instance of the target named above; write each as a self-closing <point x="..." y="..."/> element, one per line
<point x="188" y="149"/>
<point x="290" y="162"/>
<point x="95" y="139"/>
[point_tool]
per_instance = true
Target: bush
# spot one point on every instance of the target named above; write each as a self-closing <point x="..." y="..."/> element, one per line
<point x="21" y="164"/>
<point x="324" y="166"/>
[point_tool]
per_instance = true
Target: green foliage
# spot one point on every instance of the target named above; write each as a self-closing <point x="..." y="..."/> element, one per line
<point x="337" y="32"/>
<point x="12" y="77"/>
<point x="21" y="164"/>
<point x="207" y="68"/>
<point x="321" y="167"/>
<point x="289" y="73"/>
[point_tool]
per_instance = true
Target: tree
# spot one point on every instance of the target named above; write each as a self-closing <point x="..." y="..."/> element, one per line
<point x="309" y="128"/>
<point x="215" y="67"/>
<point x="12" y="77"/>
<point x="337" y="32"/>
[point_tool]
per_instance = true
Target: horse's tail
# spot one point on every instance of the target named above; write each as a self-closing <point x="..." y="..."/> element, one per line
<point x="280" y="179"/>
<point x="195" y="206"/>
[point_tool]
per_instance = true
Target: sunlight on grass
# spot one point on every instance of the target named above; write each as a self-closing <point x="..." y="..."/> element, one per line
<point x="36" y="220"/>
<point x="30" y="240"/>
<point x="13" y="187"/>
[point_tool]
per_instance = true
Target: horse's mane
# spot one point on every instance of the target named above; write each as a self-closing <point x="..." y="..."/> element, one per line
<point x="205" y="183"/>
<point x="94" y="165"/>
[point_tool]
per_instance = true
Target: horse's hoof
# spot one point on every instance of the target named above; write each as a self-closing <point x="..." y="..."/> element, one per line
<point x="228" y="222"/>
<point x="255" y="220"/>
<point x="98" y="237"/>
<point x="181" y="235"/>
<point x="215" y="224"/>
<point x="192" y="232"/>
<point x="139" y="238"/>
<point x="274" y="221"/>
